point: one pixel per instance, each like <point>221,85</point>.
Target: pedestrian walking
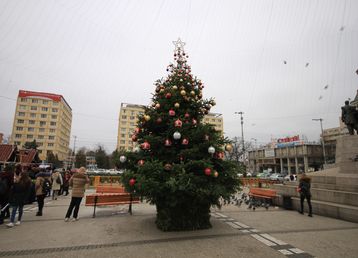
<point>42,186</point>
<point>66,182</point>
<point>6,182</point>
<point>304,188</point>
<point>56,184</point>
<point>78,182</point>
<point>19,195</point>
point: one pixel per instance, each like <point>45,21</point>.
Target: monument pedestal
<point>335,190</point>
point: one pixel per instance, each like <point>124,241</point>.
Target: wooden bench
<point>262,193</point>
<point>110,195</point>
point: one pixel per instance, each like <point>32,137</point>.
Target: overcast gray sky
<point>98,54</point>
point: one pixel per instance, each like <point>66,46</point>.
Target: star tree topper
<point>179,45</point>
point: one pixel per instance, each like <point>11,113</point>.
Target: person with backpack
<point>42,186</point>
<point>78,182</point>
<point>304,188</point>
<point>6,182</point>
<point>19,195</point>
<point>56,184</point>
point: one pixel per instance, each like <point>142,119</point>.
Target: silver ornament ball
<point>176,135</point>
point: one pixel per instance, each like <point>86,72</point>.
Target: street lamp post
<point>323,146</point>
<point>242,129</point>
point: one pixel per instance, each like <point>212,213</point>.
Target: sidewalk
<point>236,232</point>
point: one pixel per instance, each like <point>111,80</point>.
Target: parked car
<point>277,177</point>
<point>263,175</point>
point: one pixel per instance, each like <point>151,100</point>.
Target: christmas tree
<point>178,164</point>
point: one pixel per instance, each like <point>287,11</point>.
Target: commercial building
<point>128,121</point>
<point>288,155</point>
<point>46,118</point>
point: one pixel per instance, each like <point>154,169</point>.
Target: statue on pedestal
<point>350,117</point>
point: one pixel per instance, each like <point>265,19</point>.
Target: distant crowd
<point>24,185</point>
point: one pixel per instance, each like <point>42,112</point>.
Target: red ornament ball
<point>134,138</point>
<point>186,115</point>
<point>132,181</point>
<point>140,162</point>
<point>178,123</point>
<point>207,171</point>
<point>168,95</point>
<point>167,143</point>
<point>171,112</point>
<point>185,141</point>
<point>145,145</point>
<point>159,120</point>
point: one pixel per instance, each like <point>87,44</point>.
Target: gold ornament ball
<point>175,87</point>
<point>146,118</point>
<point>183,92</point>
<point>216,174</point>
<point>192,93</point>
<point>228,147</point>
<point>161,90</point>
<point>157,106</point>
<point>177,105</point>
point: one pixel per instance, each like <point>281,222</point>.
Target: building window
<point>40,136</point>
<point>122,141</point>
<point>123,123</point>
<point>123,135</point>
<point>43,115</point>
<point>44,109</point>
<point>54,103</point>
<point>31,122</point>
<point>21,113</point>
<point>52,130</point>
<point>30,136</point>
<point>17,143</point>
<point>22,107</point>
<point>132,117</point>
<point>23,100</point>
<point>19,128</point>
<point>55,110</point>
<point>124,117</point>
<point>53,123</point>
<point>33,108</point>
<point>45,102</point>
<point>30,129</point>
<point>33,115</point>
<point>41,130</point>
<point>42,123</point>
<point>35,101</point>
<point>40,144</point>
<point>51,137</point>
<point>123,129</point>
<point>54,116</point>
<point>50,144</point>
<point>131,123</point>
<point>20,121</point>
<point>17,135</point>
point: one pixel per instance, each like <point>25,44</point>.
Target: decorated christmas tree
<point>179,163</point>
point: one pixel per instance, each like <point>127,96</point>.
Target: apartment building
<point>46,118</point>
<point>128,121</point>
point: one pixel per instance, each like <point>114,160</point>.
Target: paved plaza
<point>236,232</point>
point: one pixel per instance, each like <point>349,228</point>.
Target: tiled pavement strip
<point>280,246</point>
<point>264,238</point>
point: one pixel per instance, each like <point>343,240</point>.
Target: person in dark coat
<point>18,197</point>
<point>41,179</point>
<point>304,188</point>
<point>7,180</point>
